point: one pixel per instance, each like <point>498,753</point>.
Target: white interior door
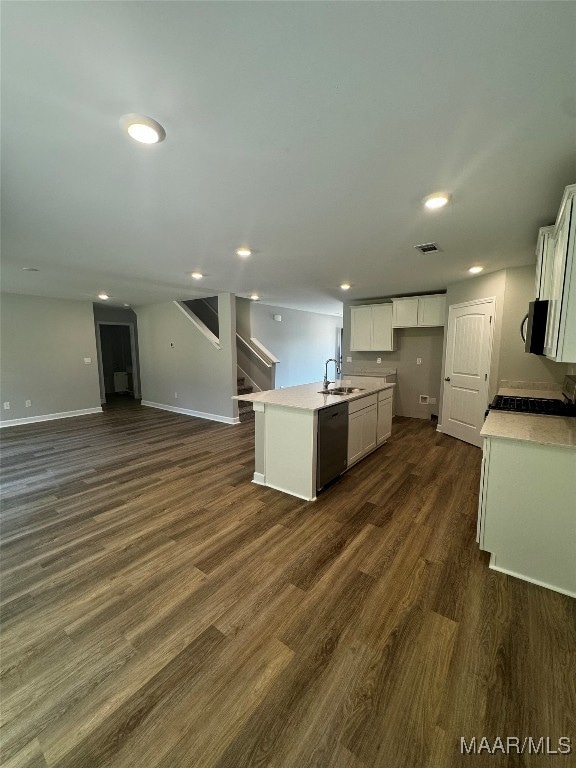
<point>467,369</point>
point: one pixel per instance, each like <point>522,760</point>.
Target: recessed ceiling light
<point>197,275</point>
<point>243,252</point>
<point>254,297</point>
<point>437,200</point>
<point>30,269</point>
<point>345,286</point>
<point>143,129</point>
<point>126,305</point>
<point>103,296</point>
<point>475,270</point>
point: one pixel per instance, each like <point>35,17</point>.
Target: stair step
<point>240,381</point>
<point>245,390</point>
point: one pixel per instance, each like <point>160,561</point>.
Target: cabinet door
<point>382,333</point>
<point>544,259</point>
<point>354,437</point>
<point>384,428</point>
<point>369,424</point>
<point>558,267</point>
<point>431,310</point>
<point>360,329</point>
<point>405,313</point>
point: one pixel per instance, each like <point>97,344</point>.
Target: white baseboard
<point>439,428</point>
<point>554,588</point>
<point>196,414</point>
<point>259,478</point>
<point>49,417</point>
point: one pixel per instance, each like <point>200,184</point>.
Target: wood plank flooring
<point>161,611</point>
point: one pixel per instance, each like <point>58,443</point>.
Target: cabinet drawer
<point>362,402</point>
<point>385,394</point>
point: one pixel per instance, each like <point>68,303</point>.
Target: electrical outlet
<point>87,360</point>
<point>418,361</point>
<point>6,406</point>
<point>378,359</point>
<point>348,359</point>
<point>28,403</point>
<point>432,400</point>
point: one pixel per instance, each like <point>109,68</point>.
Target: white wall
<point>43,346</point>
<point>176,358</point>
<point>302,341</point>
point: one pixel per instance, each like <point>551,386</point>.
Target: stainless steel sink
<point>341,391</point>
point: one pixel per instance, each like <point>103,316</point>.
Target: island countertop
<point>309,397</point>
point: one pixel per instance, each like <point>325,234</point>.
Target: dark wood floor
<point>161,610</point>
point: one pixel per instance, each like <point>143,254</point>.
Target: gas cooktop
<point>536,405</point>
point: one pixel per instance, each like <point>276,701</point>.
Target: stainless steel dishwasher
<point>332,443</point>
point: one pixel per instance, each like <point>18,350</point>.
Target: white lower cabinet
<point>526,511</point>
<point>362,422</point>
<point>384,425</point>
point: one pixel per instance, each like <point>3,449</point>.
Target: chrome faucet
<point>326,383</point>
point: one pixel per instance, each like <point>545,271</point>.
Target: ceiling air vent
<point>428,248</point>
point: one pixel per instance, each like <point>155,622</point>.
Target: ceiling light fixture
<point>254,297</point>
<point>197,275</point>
<point>143,129</point>
<point>103,296</point>
<point>345,286</point>
<point>475,270</point>
<point>243,252</point>
<point>436,200</point>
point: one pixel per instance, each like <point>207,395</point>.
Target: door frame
<point>471,303</point>
<point>135,362</point>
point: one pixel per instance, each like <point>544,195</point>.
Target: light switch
<point>6,406</point>
<point>348,359</point>
<point>378,359</point>
<point>87,360</point>
<point>418,361</point>
<point>28,403</point>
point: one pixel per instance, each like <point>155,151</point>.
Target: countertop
<point>546,430</point>
<point>308,396</point>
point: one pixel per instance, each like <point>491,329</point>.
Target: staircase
<point>245,411</point>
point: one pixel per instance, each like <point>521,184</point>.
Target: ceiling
<point>308,131</point>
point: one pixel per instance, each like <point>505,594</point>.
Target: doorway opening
<point>118,365</point>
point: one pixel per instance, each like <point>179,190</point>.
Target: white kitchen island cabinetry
<point>384,425</point>
<point>362,423</point>
<point>527,512</point>
<point>286,430</point>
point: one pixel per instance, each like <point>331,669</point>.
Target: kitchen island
<point>526,514</point>
<point>286,429</point>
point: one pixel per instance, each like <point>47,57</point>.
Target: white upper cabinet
<point>405,313</point>
<point>431,310</point>
<point>558,283</point>
<point>419,311</point>
<point>544,262</point>
<point>371,328</point>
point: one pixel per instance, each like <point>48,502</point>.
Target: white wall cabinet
<point>419,311</point>
<point>525,515</point>
<point>544,262</point>
<point>371,328</point>
<point>384,425</point>
<point>362,424</point>
<point>557,281</point>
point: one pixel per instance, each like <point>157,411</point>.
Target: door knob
<point>447,378</point>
